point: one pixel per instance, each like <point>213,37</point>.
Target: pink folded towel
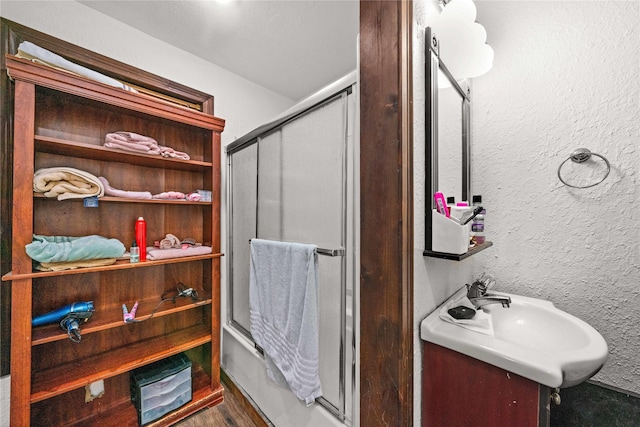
<point>170,152</point>
<point>194,197</point>
<point>155,254</point>
<point>110,191</point>
<point>130,141</point>
<point>170,195</point>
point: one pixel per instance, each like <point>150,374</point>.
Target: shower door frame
<point>338,411</point>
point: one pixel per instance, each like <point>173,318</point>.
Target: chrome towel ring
<point>581,155</point>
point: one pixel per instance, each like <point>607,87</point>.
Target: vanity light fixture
<point>462,40</point>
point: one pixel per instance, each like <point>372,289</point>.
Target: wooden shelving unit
<point>61,120</point>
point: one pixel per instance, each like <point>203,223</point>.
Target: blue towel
<point>283,299</point>
<point>63,248</point>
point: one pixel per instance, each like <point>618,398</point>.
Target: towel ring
<point>581,155</point>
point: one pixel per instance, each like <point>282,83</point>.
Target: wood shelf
<point>41,75</point>
<point>119,265</point>
<point>47,144</point>
<point>101,321</point>
<point>79,373</point>
<point>111,199</point>
<point>454,257</point>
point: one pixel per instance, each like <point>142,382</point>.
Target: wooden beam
<point>386,178</point>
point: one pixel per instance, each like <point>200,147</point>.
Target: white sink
<point>532,338</point>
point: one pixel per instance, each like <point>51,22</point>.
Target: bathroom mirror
<point>448,162</point>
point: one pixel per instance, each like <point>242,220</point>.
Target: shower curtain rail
<point>328,252</point>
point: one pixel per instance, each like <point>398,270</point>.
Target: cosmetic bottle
<point>477,226</point>
<point>141,237</point>
<point>134,253</point>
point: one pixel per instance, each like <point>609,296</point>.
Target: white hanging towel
<point>283,300</point>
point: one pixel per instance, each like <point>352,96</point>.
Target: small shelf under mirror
<point>472,251</point>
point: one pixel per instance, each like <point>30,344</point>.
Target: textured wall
<point>434,279</point>
<point>566,75</point>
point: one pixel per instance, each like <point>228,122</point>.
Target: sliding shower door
<point>243,192</point>
<point>290,185</point>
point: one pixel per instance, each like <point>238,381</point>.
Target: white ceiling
<point>291,47</point>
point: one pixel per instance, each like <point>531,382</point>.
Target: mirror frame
<point>433,64</point>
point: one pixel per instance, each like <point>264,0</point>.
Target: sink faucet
<point>477,294</point>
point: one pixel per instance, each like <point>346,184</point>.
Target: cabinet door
<point>458,390</point>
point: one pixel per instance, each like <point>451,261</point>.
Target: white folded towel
<point>481,322</point>
<point>67,183</point>
<point>34,53</point>
<point>283,300</point>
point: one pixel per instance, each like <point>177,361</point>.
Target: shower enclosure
<point>294,180</point>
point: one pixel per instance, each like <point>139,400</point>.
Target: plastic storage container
<point>448,235</point>
<point>161,387</point>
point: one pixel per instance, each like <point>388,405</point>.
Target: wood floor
<point>229,413</point>
<point>234,411</point>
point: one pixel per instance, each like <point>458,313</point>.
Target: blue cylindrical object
<point>56,315</point>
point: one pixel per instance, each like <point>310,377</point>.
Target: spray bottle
<point>141,237</point>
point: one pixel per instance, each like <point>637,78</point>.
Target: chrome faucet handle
<point>487,280</point>
<point>476,290</point>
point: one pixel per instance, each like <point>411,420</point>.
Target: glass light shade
<point>462,41</point>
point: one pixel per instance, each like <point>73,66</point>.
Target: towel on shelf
<point>283,300</point>
<point>170,241</point>
<point>481,322</point>
<point>170,195</point>
<point>67,249</point>
<point>66,183</point>
<point>110,191</point>
<point>170,152</point>
<point>193,197</point>
<point>35,53</point>
<point>130,141</point>
<point>72,265</point>
<point>154,254</point>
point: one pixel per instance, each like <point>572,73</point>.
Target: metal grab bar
<point>328,252</point>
